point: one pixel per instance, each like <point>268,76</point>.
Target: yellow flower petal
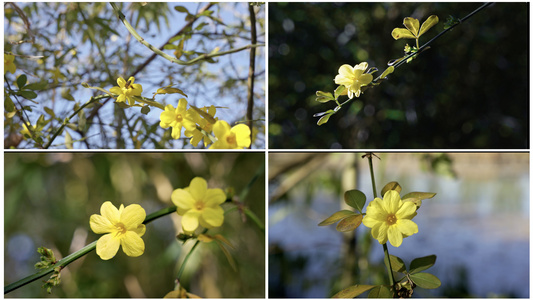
<point>110,212</point>
<point>116,90</point>
<point>221,128</point>
<point>395,236</point>
<point>132,216</point>
<point>213,216</point>
<point>198,188</point>
<point>107,246</point>
<point>182,199</point>
<point>132,244</point>
<point>242,133</point>
<point>121,82</point>
<point>189,221</point>
<point>100,224</point>
<point>215,197</point>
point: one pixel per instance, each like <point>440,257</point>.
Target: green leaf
<point>145,110</point>
<point>65,94</point>
<point>355,199</point>
<point>323,97</point>
<point>417,197</point>
<point>388,71</point>
<point>425,280</point>
<point>336,217</point>
<point>82,120</point>
<point>381,291</point>
<point>393,185</point>
<point>37,86</point>
<point>430,22</point>
<point>170,90</point>
<point>9,106</point>
<point>353,291</point>
<point>27,94</point>
<point>397,264</point>
<point>182,9</point>
<point>422,263</point>
<point>49,111</point>
<point>21,81</point>
<point>68,140</point>
<point>339,90</point>
<point>325,117</point>
<point>350,223</point>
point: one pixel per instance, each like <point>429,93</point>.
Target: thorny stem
<point>385,249</point>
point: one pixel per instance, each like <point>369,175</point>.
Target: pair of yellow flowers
<point>198,206</point>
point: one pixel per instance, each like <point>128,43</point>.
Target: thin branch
<point>251,71</point>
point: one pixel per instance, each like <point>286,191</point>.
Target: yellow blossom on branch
<point>199,206</point>
<point>9,64</point>
<point>126,90</point>
<point>390,218</point>
<point>204,124</point>
<point>353,78</point>
<point>124,227</point>
<point>236,137</point>
<point>177,118</point>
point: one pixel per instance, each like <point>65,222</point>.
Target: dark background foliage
<point>470,90</point>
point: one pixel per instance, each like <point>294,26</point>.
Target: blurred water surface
<point>477,225</point>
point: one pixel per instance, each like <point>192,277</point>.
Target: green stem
<point>74,256</point>
<point>182,267</point>
<point>385,249</point>
<point>168,57</point>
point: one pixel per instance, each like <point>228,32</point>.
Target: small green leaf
<point>27,94</point>
<point>182,9</point>
<point>388,71</point>
<point>355,199</point>
<point>68,140</point>
<point>381,291</point>
<point>350,223</point>
<point>37,86</point>
<point>336,217</point>
<point>49,111</point>
<point>170,90</point>
<point>353,291</point>
<point>9,106</point>
<point>422,263</point>
<point>417,197</point>
<point>397,264</point>
<point>425,280</point>
<point>393,185</point>
<point>145,110</point>
<point>324,97</point>
<point>339,90</point>
<point>324,119</point>
<point>82,120</point>
<point>21,81</point>
<point>65,93</point>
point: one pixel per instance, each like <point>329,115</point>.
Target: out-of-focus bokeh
<point>49,198</point>
<point>470,90</point>
<point>477,224</point>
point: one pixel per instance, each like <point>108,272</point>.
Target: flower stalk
<point>385,249</point>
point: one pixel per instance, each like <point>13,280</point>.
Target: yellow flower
<point>236,137</point>
<point>124,226</point>
<point>126,90</point>
<point>176,118</point>
<point>353,78</point>
<point>199,205</point>
<point>413,30</point>
<point>9,64</point>
<point>204,124</point>
<point>390,218</point>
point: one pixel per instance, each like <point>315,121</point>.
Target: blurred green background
<point>470,90</point>
<point>477,225</point>
<point>49,198</point>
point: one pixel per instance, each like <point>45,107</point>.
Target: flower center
<point>199,205</point>
<point>391,219</point>
<point>231,139</point>
<point>121,229</point>
<point>179,118</point>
